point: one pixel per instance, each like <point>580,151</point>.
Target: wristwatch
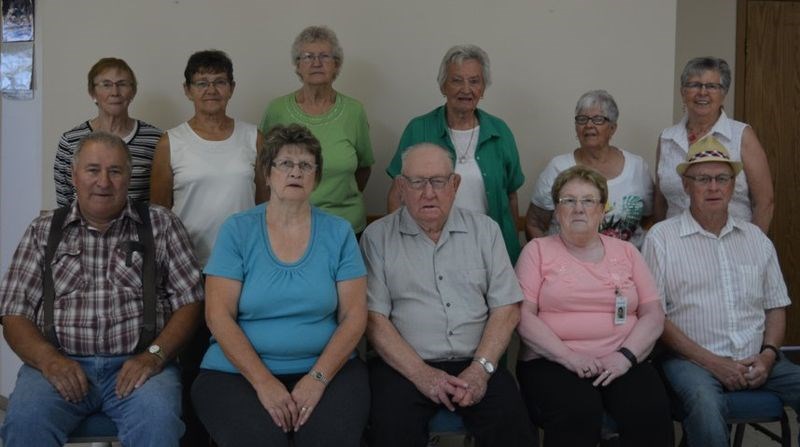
<point>156,351</point>
<point>318,376</point>
<point>487,365</point>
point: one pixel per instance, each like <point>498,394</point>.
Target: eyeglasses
<point>705,180</point>
<point>307,58</point>
<point>588,203</point>
<point>597,120</point>
<point>217,83</point>
<point>709,86</point>
<point>109,85</point>
<point>287,166</point>
<point>419,183</point>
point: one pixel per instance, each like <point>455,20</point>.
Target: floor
<point>752,438</point>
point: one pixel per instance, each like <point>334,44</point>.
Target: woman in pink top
<point>590,318</point>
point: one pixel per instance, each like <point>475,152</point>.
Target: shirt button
<point>451,332</point>
<point>440,277</point>
<point>448,304</point>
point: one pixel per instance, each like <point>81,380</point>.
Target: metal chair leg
<point>739,435</point>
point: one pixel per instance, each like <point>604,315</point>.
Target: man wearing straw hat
<point>724,297</point>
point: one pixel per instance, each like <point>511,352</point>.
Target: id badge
<point>620,309</point>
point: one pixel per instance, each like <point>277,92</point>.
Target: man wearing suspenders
<point>97,301</point>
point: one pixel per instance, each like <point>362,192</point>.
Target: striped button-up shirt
<point>716,288</point>
<point>98,282</point>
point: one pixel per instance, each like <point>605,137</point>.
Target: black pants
<point>229,407</point>
<point>570,409</point>
<point>189,360</point>
<point>400,413</point>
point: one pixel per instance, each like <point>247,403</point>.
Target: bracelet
<point>771,348</point>
<point>628,355</point>
<point>318,376</point>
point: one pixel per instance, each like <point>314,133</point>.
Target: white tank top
<point>211,180</point>
<point>675,146</point>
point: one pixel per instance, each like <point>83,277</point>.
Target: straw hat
<point>706,150</point>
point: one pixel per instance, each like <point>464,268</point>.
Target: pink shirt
<point>577,299</point>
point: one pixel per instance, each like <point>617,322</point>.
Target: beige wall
<point>705,28</point>
<point>545,54</point>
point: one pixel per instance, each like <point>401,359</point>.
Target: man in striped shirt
<point>93,360</point>
<point>724,297</point>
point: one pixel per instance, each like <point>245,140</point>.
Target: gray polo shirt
<point>438,296</point>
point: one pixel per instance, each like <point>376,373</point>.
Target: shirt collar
<point>454,224</point>
<point>74,214</point>
<point>690,226</point>
<point>488,130</point>
<point>721,130</point>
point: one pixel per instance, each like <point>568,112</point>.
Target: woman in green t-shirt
<point>336,120</point>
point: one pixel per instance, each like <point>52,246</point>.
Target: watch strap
<point>156,351</point>
<point>486,364</point>
<point>628,355</point>
<point>772,348</point>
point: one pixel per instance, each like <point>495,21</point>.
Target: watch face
<point>154,349</point>
<point>489,367</point>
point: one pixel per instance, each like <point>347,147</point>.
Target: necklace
<point>462,156</point>
<point>692,136</point>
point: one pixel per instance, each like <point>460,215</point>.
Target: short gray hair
<point>460,53</point>
<point>105,138</point>
<point>598,98</point>
<point>318,34</point>
<point>699,65</point>
<point>417,146</point>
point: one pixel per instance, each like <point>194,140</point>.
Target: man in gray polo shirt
<point>443,303</point>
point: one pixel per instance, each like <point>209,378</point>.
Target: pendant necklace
<point>462,156</point>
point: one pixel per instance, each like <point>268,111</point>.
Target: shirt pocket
<point>750,283</point>
<point>67,271</point>
<point>470,286</point>
<point>125,267</point>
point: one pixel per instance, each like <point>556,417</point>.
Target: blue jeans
<point>705,405</point>
<point>39,416</point>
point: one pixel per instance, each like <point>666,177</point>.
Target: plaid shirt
<point>98,282</point>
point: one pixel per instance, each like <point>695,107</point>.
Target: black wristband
<point>771,348</point>
<point>628,355</point>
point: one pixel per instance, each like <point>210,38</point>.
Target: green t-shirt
<point>343,133</point>
<point>497,159</point>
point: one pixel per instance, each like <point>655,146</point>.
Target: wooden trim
<point>741,60</point>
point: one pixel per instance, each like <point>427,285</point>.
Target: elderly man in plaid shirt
<point>95,365</point>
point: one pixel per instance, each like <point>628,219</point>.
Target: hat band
<point>708,154</point>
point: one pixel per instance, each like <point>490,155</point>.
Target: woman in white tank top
<point>704,83</point>
<point>204,169</point>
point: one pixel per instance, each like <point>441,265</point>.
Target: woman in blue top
<point>286,305</point>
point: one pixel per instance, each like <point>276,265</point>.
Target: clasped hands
<point>747,373</point>
<point>603,369</point>
<point>467,389</point>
